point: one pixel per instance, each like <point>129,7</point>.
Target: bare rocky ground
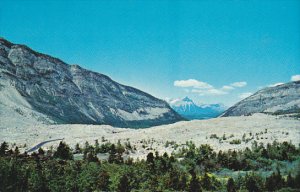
<point>220,133</point>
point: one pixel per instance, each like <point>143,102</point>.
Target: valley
<point>130,96</point>
<point>218,133</point>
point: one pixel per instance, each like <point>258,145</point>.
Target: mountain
<point>281,99</point>
<point>188,109</point>
<point>35,86</point>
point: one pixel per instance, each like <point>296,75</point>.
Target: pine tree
<point>91,157</point>
<point>103,181</point>
<point>77,148</point>
<point>63,152</point>
<point>3,148</point>
<point>41,151</point>
<point>253,183</point>
<point>37,178</point>
<point>16,151</point>
<point>182,185</point>
<point>275,181</point>
<point>124,184</point>
<point>150,160</point>
<point>290,182</point>
<point>97,146</point>
<point>231,185</point>
<point>112,154</point>
<point>209,182</point>
<point>194,183</point>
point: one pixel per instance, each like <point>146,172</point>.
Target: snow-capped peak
<point>187,108</point>
<point>187,99</point>
<point>181,102</point>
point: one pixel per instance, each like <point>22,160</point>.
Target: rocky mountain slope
<point>190,110</point>
<point>281,99</point>
<point>44,88</point>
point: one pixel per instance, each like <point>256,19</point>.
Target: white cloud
<point>192,83</point>
<point>275,84</point>
<point>239,84</point>
<point>227,88</point>
<point>245,95</point>
<point>205,89</point>
<point>209,92</point>
<point>295,78</point>
<point>173,101</point>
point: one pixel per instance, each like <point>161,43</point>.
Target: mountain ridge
<point>71,94</point>
<point>281,99</point>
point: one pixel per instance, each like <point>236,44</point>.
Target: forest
<point>274,167</point>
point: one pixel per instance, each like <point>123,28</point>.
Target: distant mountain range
<point>281,99</point>
<point>190,110</point>
<point>35,86</point>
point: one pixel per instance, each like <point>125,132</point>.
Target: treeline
<point>258,157</point>
<point>190,169</point>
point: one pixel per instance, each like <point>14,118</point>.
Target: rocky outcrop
<point>70,94</point>
<point>281,99</point>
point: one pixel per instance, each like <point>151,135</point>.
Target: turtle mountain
<point>281,99</point>
<point>35,87</point>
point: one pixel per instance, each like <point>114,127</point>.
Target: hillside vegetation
<point>274,167</point>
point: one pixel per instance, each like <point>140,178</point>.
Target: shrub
<point>235,142</point>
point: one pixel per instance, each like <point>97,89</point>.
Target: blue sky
<point>211,51</point>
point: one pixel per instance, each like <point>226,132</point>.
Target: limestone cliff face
<point>282,99</point>
<point>70,94</point>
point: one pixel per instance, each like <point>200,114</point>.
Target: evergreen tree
<point>297,177</point>
<point>112,154</point>
<point>77,149</point>
<point>91,157</point>
<point>172,180</point>
<point>97,146</point>
<point>119,153</point>
<point>124,185</point>
<point>222,159</point>
<point>41,151</point>
<point>182,185</point>
<point>86,150</point>
<point>150,160</point>
<point>16,151</point>
<point>103,181</point>
<point>275,181</point>
<point>290,182</point>
<point>233,162</point>
<point>37,179</point>
<point>254,183</point>
<point>231,185</point>
<point>63,151</point>
<point>194,183</point>
<point>3,148</point>
<point>209,182</point>
<point>264,153</point>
